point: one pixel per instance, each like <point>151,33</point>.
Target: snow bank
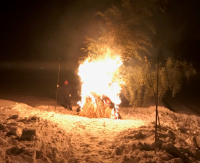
<point>54,134</point>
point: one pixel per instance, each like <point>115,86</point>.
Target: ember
<point>100,87</point>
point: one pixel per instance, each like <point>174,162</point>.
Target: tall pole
<point>151,82</point>
<point>156,104</point>
<point>58,83</point>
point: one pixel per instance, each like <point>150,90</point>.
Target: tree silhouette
<point>128,31</point>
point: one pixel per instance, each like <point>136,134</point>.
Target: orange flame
<point>100,76</point>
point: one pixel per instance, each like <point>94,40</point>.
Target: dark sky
<point>46,30</point>
<point>40,30</point>
<point>178,31</point>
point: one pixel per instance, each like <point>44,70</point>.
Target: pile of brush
<point>101,108</point>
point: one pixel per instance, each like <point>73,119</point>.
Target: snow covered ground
<point>38,130</point>
<point>46,133</point>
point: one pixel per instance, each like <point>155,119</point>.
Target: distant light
<point>41,67</point>
<point>58,58</point>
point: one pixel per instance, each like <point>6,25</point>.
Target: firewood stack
<point>98,109</point>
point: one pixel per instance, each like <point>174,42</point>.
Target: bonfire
<point>100,87</point>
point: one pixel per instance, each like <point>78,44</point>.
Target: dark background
<point>38,36</point>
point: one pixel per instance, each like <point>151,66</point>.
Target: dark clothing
<point>66,91</point>
<point>67,102</point>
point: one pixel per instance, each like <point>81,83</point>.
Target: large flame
<point>100,77</point>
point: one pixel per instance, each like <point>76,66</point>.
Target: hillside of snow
<point>49,134</point>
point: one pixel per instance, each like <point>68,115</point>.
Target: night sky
<point>54,30</point>
<point>47,30</point>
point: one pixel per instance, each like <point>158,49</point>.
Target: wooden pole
<point>156,104</point>
<point>154,94</point>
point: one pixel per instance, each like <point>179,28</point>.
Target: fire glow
<point>100,77</point>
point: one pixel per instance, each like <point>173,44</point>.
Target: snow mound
<point>55,135</point>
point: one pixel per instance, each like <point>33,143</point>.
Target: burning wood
<point>100,87</point>
<point>103,108</point>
